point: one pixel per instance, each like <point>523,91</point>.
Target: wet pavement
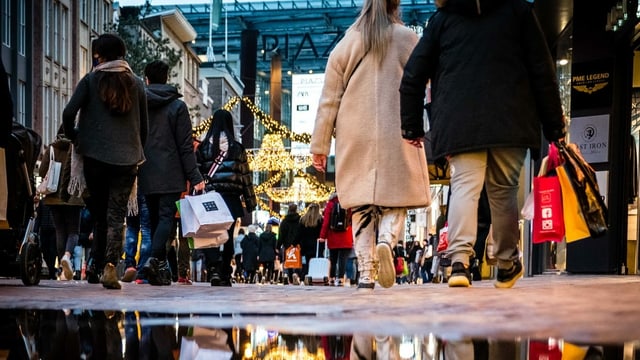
<point>578,309</point>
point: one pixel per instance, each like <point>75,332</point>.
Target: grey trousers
<point>498,170</point>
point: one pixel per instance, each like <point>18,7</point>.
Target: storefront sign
<point>591,135</point>
<point>591,85</point>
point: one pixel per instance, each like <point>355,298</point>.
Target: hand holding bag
<point>204,215</point>
<point>548,222</point>
<point>585,185</point>
<point>49,184</point>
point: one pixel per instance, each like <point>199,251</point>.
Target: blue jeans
<point>138,224</point>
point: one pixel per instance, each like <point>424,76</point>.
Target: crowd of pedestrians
<point>121,136</point>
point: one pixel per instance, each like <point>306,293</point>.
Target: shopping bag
<point>214,239</point>
<point>204,214</point>
<point>443,239</point>
<point>574,224</point>
<point>585,185</point>
<point>548,223</point>
<point>292,259</point>
<point>49,184</point>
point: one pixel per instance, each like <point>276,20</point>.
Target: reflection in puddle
<point>87,334</point>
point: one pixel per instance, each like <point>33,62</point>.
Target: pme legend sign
<point>591,85</point>
<point>591,135</point>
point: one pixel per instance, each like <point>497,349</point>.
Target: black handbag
<point>583,180</point>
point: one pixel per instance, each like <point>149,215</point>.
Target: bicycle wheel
<point>30,263</point>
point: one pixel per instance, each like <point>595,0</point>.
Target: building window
<point>6,23</point>
<point>107,10</point>
<point>46,37</point>
<point>22,27</point>
<point>64,37</point>
<point>95,16</point>
<point>46,115</point>
<point>83,10</point>
<point>84,60</point>
<point>21,106</point>
<point>56,31</point>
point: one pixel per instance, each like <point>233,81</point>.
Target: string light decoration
<point>273,126</point>
<point>300,191</point>
<point>271,156</point>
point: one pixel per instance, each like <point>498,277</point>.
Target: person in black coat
<point>494,92</point>
<point>267,251</point>
<point>250,247</point>
<point>232,179</point>
<point>287,236</point>
<point>170,163</point>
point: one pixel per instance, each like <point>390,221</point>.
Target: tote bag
<point>292,259</point>
<point>203,215</point>
<point>548,222</point>
<point>49,184</point>
<point>574,224</point>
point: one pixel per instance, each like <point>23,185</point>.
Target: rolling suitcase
<point>319,268</point>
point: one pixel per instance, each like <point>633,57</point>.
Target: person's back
<point>170,164</point>
<point>492,75</point>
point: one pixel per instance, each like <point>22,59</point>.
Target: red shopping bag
<point>548,222</point>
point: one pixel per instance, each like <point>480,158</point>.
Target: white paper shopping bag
<point>204,214</point>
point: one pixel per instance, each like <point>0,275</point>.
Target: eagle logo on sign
<point>590,89</point>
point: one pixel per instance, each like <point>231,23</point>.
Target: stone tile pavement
<point>578,308</point>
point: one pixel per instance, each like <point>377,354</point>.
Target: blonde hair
<point>312,217</point>
<point>374,22</point>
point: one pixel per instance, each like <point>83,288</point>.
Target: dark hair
<point>222,122</point>
<point>114,88</point>
<point>109,46</point>
<point>157,72</point>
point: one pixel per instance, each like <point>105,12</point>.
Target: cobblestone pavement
<point>579,308</point>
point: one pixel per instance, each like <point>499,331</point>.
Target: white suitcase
<point>319,268</point>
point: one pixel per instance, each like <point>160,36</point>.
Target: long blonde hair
<point>312,217</point>
<point>374,22</point>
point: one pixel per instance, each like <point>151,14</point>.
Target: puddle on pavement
<point>87,334</point>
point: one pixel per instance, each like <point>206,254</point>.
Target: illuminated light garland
<point>300,191</point>
<point>273,126</point>
<point>275,158</point>
<point>271,156</point>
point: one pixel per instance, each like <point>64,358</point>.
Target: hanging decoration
<point>271,156</point>
<point>302,190</point>
<point>274,158</point>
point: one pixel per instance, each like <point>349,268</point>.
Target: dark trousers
<point>109,187</point>
<point>67,221</point>
<point>338,261</point>
<point>162,212</point>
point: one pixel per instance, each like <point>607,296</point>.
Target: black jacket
<point>250,246</point>
<point>288,230</point>
<point>493,82</point>
<point>233,177</point>
<point>267,248</point>
<point>169,148</point>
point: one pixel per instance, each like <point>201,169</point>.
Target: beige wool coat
<point>374,165</point>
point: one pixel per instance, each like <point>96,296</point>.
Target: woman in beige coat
<point>378,175</point>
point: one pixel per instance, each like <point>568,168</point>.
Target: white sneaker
<point>67,268</point>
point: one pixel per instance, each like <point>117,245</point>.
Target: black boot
<point>213,276</point>
<point>157,272</point>
<point>93,272</point>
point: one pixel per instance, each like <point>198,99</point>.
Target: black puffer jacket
<point>493,82</point>
<point>169,148</point>
<point>233,177</point>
